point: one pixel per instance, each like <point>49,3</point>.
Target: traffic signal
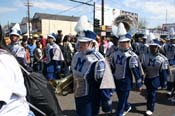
<point>96,23</point>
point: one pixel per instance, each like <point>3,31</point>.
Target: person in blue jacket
<point>88,67</point>
<point>155,66</point>
<point>125,64</point>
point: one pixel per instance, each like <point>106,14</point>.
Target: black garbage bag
<point>41,94</point>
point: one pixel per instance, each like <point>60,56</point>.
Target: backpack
<point>41,94</point>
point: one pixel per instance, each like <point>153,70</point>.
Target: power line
<point>81,11</point>
<point>72,8</point>
<point>83,2</point>
<point>86,3</point>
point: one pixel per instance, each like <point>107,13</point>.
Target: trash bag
<point>41,94</point>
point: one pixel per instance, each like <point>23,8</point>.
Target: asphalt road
<point>163,106</point>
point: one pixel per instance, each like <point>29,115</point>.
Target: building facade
<point>168,26</point>
<point>44,24</point>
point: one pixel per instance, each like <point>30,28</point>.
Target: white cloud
<point>154,11</point>
<point>49,5</point>
<point>4,10</point>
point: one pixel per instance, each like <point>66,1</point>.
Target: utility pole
<point>94,15</point>
<point>102,12</point>
<point>89,5</point>
<point>28,4</point>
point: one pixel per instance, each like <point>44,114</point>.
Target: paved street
<point>163,106</point>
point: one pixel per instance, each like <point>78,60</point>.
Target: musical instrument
<point>64,85</point>
<point>130,22</point>
<point>171,77</point>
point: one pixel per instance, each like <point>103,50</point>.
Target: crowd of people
<point>150,60</point>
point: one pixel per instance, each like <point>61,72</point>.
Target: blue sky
<point>152,11</point>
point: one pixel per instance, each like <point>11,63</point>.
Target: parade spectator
<point>68,52</point>
<point>103,46</point>
<point>54,58</point>
<point>24,44</point>
<point>155,66</point>
<point>32,47</point>
<point>7,41</point>
<point>125,63</point>
<point>113,47</point>
<point>98,39</point>
<point>73,42</point>
<point>59,37</point>
<point>38,58</point>
<point>43,41</point>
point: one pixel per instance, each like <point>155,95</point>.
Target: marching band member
<point>169,51</point>
<point>125,64</point>
<point>54,58</point>
<point>155,66</point>
<point>143,46</point>
<point>16,49</point>
<point>88,67</point>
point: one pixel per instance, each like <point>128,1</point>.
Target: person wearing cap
<point>155,66</point>
<point>54,58</point>
<point>125,64</point>
<point>88,67</point>
<point>15,48</point>
<point>169,51</point>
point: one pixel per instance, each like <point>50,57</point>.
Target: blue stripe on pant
<point>122,102</point>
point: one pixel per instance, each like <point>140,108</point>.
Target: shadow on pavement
<point>133,110</point>
<point>162,97</point>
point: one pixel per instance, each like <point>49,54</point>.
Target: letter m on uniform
<point>119,59</point>
<point>151,62</point>
<point>79,64</point>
